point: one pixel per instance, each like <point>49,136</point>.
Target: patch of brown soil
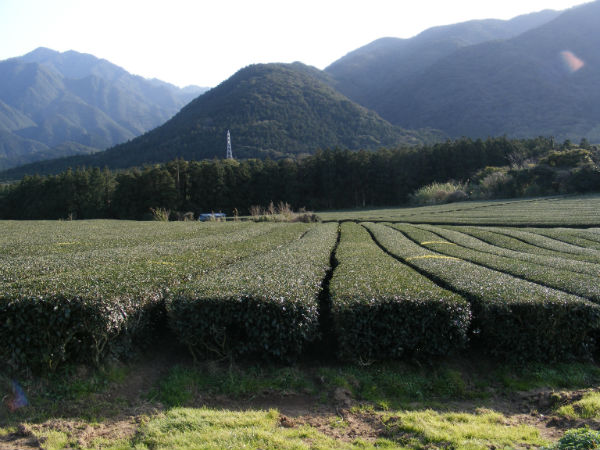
<point>85,434</point>
<point>345,426</point>
<point>23,438</point>
<point>30,436</point>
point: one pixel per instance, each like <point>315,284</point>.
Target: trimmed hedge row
<point>115,303</point>
<point>491,236</point>
<point>459,236</point>
<point>511,317</point>
<point>43,329</point>
<point>576,237</point>
<point>51,254</point>
<point>263,306</point>
<point>545,243</point>
<point>382,308</point>
<point>580,284</point>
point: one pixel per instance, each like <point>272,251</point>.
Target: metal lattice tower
<point>229,152</point>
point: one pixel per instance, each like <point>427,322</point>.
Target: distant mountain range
<point>54,104</point>
<point>368,74</point>
<point>274,110</point>
<point>533,75</point>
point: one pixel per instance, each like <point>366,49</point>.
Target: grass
<point>208,428</point>
<point>447,403</point>
<point>181,384</point>
<point>571,375</point>
<point>186,428</point>
<point>480,430</point>
<point>586,408</point>
<point>386,385</point>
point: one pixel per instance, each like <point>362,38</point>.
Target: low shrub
<point>283,212</point>
<point>436,193</point>
<point>577,439</point>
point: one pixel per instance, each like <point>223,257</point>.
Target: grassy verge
<point>470,403</point>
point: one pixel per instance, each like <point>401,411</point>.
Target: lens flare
<point>17,398</point>
<point>571,62</point>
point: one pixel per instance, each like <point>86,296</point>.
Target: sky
<point>202,42</point>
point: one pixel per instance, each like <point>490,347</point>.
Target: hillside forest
<point>329,179</point>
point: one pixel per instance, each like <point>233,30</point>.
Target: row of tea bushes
<point>511,317</point>
<point>115,300</point>
<point>512,243</point>
<point>580,284</point>
<point>465,240</point>
<point>546,243</point>
<point>383,309</point>
<point>581,238</point>
<point>266,306</point>
<point>56,256</point>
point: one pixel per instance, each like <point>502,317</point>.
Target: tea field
<point>511,282</point>
<point>574,211</point>
<point>77,292</point>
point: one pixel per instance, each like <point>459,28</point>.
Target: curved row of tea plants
<point>564,211</point>
<point>546,243</point>
<point>576,283</point>
<point>382,308</point>
<point>67,249</point>
<point>494,237</point>
<point>460,237</point>
<point>582,238</point>
<point>511,317</point>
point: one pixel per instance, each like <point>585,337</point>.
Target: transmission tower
<point>229,153</point>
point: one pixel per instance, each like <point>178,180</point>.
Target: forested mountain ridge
<point>274,110</point>
<point>534,75</point>
<point>369,73</point>
<point>329,179</point>
<point>53,104</point>
<point>542,81</point>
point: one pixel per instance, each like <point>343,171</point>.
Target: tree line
<point>328,179</point>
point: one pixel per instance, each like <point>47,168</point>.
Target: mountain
<point>539,78</point>
<point>274,110</point>
<point>542,82</point>
<point>53,104</point>
<point>368,74</point>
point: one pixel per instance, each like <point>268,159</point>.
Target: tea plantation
<point>412,283</point>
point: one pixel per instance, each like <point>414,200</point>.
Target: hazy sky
<point>204,42</point>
